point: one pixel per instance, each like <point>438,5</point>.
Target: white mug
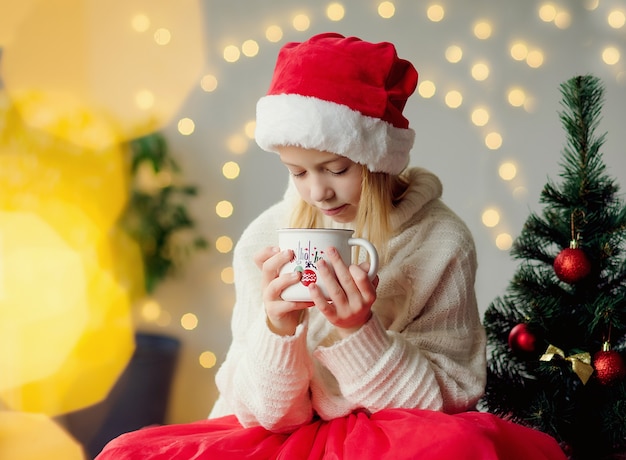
<point>308,246</point>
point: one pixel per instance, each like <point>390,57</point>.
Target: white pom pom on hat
<point>340,95</point>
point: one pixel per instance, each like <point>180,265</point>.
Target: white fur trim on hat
<point>308,122</point>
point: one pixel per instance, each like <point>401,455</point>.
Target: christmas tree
<point>557,337</point>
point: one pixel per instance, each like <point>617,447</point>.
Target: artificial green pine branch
<point>575,316</point>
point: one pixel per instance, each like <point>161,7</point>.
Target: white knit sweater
<point>424,346</point>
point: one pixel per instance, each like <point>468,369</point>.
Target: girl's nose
<point>320,190</point>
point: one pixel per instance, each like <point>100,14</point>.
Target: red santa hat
<point>340,95</point>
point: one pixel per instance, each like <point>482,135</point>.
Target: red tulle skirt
<point>389,434</point>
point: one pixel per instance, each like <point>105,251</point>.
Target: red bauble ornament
<point>521,339</point>
<point>609,366</point>
<point>572,265</point>
<point>308,277</point>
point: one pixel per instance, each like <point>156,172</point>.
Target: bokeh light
<point>230,170</point>
<point>435,13</point>
<point>189,321</point>
<point>386,10</point>
<point>610,55</point>
<point>224,244</point>
<point>335,11</point>
<point>480,116</point>
<point>493,140</point>
<point>207,359</point>
<point>507,171</point>
<point>231,53</point>
<point>301,22</point>
<point>482,30</point>
<point>208,83</point>
<point>504,241</point>
<point>88,95</point>
<point>454,54</point>
<point>426,89</point>
<point>274,34</point>
<point>490,217</point>
<point>454,99</point>
<point>250,48</point>
<point>480,71</point>
<point>227,275</point>
<point>224,209</point>
<point>27,436</point>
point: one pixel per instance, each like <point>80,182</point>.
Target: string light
<point>610,55</point>
<point>208,83</point>
<point>227,275</point>
<point>335,12</point>
<point>230,170</point>
<point>224,244</point>
<point>250,48</point>
<point>386,10</point>
<point>207,359</point>
<point>482,30</point>
<point>426,89</point>
<point>490,217</point>
<point>507,171</point>
<point>301,22</point>
<point>493,141</point>
<point>140,23</point>
<point>504,241</point>
<point>454,99</point>
<point>237,144</point>
<point>162,36</point>
<point>186,126</point>
<point>249,128</point>
<point>224,209</point>
<point>616,19</point>
<point>231,53</point>
<point>519,51</point>
<point>480,116</point>
<point>274,34</point>
<point>454,54</point>
<point>189,321</point>
<point>516,97</point>
<point>435,13</point>
<point>480,71</point>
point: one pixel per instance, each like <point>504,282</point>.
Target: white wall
<point>447,141</point>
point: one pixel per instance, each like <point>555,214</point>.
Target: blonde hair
<point>380,192</point>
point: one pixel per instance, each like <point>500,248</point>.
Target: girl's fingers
<point>270,268</point>
<point>264,254</point>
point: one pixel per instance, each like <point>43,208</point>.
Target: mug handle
<point>371,250</point>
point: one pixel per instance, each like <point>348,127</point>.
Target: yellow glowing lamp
<point>33,437</point>
<point>96,362</point>
<point>36,164</point>
<point>69,332</point>
<point>97,73</point>
<point>90,341</point>
<point>13,13</point>
<point>42,299</point>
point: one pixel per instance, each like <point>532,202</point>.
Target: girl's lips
<point>333,211</point>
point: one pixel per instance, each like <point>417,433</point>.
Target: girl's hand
<point>350,290</point>
<point>282,316</point>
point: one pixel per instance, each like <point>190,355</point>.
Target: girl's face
<point>328,182</point>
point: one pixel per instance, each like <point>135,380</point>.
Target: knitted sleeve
<point>264,379</point>
<point>425,345</point>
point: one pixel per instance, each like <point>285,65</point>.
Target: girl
<point>389,368</point>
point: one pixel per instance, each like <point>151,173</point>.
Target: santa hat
<point>340,95</point>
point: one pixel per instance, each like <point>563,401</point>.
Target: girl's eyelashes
<point>338,173</point>
<point>330,171</point>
